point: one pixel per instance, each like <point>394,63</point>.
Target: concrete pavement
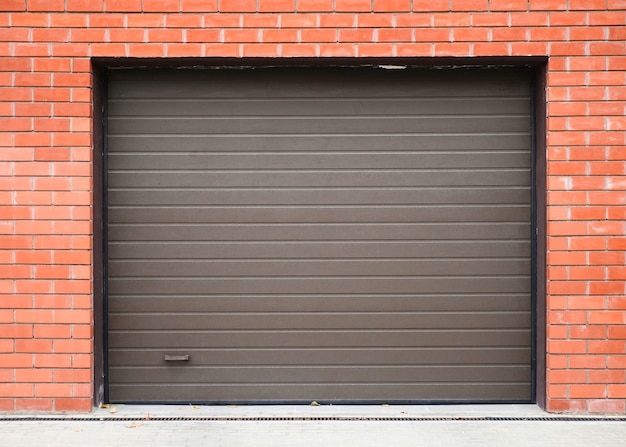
<point>294,426</point>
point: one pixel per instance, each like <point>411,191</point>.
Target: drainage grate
<point>314,419</point>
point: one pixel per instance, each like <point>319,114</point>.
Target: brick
<point>345,20</point>
<point>617,302</point>
<point>33,346</point>
<point>276,5</point>
<point>607,18</point>
<point>607,347</point>
<point>607,48</point>
<point>587,391</point>
<point>510,34</point>
<point>237,6</point>
<point>52,331</point>
<point>607,376</point>
<point>508,5</point>
<point>206,35</point>
<point>529,19</point>
<point>452,49</point>
<point>16,390</point>
<point>568,317</point>
<point>567,376</point>
<point>353,5</point>
<point>165,35</point>
<point>608,317</point>
<point>617,361</point>
<point>430,5</point>
<point>568,405</point>
<point>52,360</point>
<point>392,5</point>
<point>123,5</point>
<point>412,20</point>
<point>606,288</point>
<point>586,332</point>
<point>432,35</point>
<point>314,5</point>
<point>299,50</point>
<point>83,5</point>
<point>72,346</point>
<point>241,36</point>
<point>396,35</point>
<point>72,376</point>
<point>51,95</point>
<point>452,20</point>
<point>63,20</point>
<point>32,256</point>
<point>161,5</point>
<point>13,35</point>
<point>566,346</point>
<point>260,21</point>
<point>16,330</point>
<point>40,316</point>
<point>337,50</point>
<point>588,213</point>
<point>298,20</point>
<point>13,5</point>
<point>73,316</point>
<point>607,406</point>
<point>488,49</point>
<point>355,35</point>
<point>557,391</point>
<point>73,404</point>
<point>261,50</point>
<point>109,20</point>
<point>587,361</point>
<point>198,5</point>
<point>82,360</point>
<point>375,50</point>
<point>145,20</point>
<point>319,35</point>
<point>271,36</point>
<point>188,21</point>
<point>470,35</point>
<point>548,5</point>
<point>469,5</point>
<point>33,375</point>
<point>73,286</point>
<point>413,49</point>
<point>53,390</point>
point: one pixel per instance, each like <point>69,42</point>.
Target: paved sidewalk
<point>295,426</point>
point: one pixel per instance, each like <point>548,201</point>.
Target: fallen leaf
<point>77,430</point>
<point>315,404</point>
<point>105,405</point>
<point>195,408</point>
<point>113,410</point>
<point>233,406</point>
<point>135,425</point>
<point>147,418</point>
<point>385,405</point>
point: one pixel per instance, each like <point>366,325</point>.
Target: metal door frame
<point>538,184</point>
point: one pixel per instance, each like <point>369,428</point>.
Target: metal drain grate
<point>314,419</point>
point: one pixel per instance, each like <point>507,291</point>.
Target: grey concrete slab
<point>305,426</point>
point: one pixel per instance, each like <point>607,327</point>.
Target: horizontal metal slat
<point>316,339</point>
<point>306,393</point>
<point>319,357</point>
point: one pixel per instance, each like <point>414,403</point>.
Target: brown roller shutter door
<point>338,235</point>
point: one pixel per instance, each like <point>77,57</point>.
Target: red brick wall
<point>46,309</point>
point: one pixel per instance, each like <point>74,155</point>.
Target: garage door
<point>338,235</point>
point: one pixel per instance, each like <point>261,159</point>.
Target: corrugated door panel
<point>322,234</point>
